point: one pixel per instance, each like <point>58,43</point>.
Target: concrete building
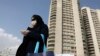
<point>65,34</point>
<point>91,20</point>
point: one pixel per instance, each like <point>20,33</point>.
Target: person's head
<point>36,21</point>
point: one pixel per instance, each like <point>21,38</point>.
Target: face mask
<point>33,23</point>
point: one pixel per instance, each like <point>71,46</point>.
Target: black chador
<point>36,40</point>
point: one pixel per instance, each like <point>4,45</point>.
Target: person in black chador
<point>35,37</point>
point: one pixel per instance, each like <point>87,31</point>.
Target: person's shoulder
<point>45,25</point>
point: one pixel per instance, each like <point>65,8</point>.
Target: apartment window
<point>51,45</point>
<point>51,41</point>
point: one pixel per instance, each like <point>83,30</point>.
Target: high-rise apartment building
<point>91,22</point>
<point>65,34</point>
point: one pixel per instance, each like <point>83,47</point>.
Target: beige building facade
<point>65,34</point>
<point>91,19</point>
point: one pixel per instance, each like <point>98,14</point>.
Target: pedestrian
<point>35,38</point>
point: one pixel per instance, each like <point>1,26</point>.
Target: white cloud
<point>8,40</point>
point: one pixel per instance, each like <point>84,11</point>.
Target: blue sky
<point>16,14</point>
<point>95,4</point>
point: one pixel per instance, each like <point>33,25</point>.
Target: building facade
<point>65,34</point>
<point>91,19</point>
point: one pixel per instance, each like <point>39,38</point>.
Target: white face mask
<point>33,23</point>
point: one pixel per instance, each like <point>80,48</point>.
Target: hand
<point>24,32</point>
